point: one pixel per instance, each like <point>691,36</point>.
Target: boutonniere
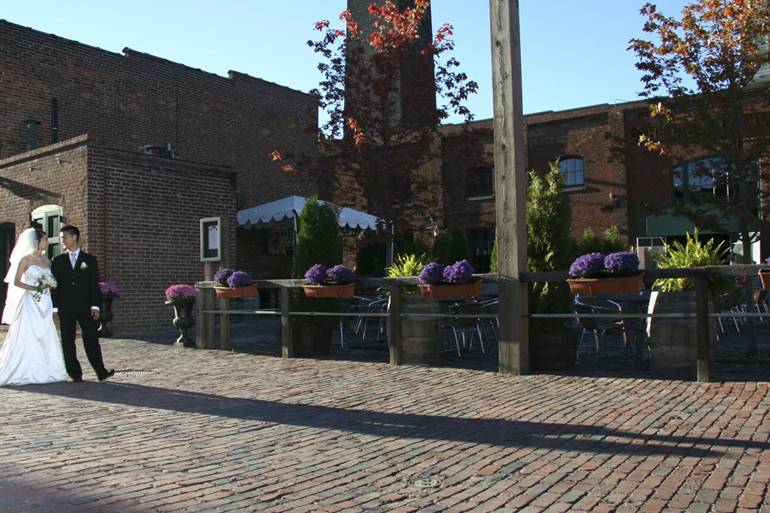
<point>83,266</point>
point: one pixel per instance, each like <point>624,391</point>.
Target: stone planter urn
<point>105,314</point>
<point>183,319</point>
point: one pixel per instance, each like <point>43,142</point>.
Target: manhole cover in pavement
<point>430,482</point>
<point>134,372</point>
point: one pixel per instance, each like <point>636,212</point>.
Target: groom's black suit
<point>76,292</point>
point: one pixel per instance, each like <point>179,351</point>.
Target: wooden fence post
<point>287,341</point>
<point>704,336</point>
<point>200,306</point>
<point>394,326</point>
<point>510,187</point>
<point>224,324</point>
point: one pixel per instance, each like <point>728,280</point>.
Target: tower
<point>414,83</point>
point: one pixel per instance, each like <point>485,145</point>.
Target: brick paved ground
<point>191,430</point>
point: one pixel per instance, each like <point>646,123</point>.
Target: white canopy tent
<point>291,206</point>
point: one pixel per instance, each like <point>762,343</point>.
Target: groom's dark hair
<point>72,230</point>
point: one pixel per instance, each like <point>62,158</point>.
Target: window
<point>49,217</point>
<point>572,171</point>
<point>479,182</point>
<point>707,175</point>
<point>480,243</point>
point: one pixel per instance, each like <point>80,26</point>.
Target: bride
<point>31,352</point>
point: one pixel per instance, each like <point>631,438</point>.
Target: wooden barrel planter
<point>420,336</point>
<point>311,341</point>
<point>674,342</point>
<point>553,351</point>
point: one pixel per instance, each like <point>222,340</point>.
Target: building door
<point>7,237</point>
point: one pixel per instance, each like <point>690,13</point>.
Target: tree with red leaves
<point>704,75</point>
<point>382,72</point>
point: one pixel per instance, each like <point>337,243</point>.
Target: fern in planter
<point>694,253</point>
<point>406,266</point>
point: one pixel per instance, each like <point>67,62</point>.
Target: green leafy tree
<point>548,232</point>
<point>319,240</point>
<point>449,247</point>
<point>319,243</point>
<point>701,73</point>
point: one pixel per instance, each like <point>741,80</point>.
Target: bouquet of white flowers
<point>43,284</point>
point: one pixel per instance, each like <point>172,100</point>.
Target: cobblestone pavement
<point>184,430</point>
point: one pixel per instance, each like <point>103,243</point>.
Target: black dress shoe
<point>77,380</point>
<point>109,374</point>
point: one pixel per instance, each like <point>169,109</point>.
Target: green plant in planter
<point>449,247</point>
<point>548,232</point>
<point>319,242</point>
<point>407,266</point>
<point>694,253</point>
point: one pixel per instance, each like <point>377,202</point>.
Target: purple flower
<point>222,275</point>
<point>459,272</point>
<point>622,262</point>
<point>587,266</point>
<point>431,274</point>
<point>239,279</point>
<point>767,260</point>
<point>180,291</point>
<point>108,287</point>
<point>341,275</point>
<point>316,274</point>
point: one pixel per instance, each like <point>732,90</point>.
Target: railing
<point>206,308</point>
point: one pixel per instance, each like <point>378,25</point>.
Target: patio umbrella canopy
<point>291,206</point>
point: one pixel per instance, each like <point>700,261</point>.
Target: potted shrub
<point>339,281</point>
<point>319,242</point>
<point>673,342</point>
<point>456,280</point>
<point>234,283</point>
<point>616,273</point>
<point>182,297</point>
<point>108,291</point>
<point>420,336</point>
<point>764,275</point>
<point>552,344</point>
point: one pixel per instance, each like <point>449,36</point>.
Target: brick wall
<point>125,101</point>
<point>143,213</point>
<point>52,175</point>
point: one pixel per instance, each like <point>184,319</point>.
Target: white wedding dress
<point>32,352</point>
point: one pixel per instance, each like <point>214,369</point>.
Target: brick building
<point>134,150</point>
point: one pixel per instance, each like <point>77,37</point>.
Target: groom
<point>76,298</point>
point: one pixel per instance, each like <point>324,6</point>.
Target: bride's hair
<point>39,233</point>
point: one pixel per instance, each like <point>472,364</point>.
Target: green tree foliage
<point>319,237</point>
<point>449,247</point>
<point>319,242</point>
<point>693,253</point>
<point>548,233</point>
<point>609,241</point>
<point>370,259</point>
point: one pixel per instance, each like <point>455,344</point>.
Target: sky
<point>573,52</point>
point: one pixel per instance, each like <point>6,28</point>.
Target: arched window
<point>49,217</point>
<point>572,170</point>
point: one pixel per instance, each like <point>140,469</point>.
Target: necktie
<point>72,260</point>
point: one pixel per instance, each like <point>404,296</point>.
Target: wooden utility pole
<point>510,186</point>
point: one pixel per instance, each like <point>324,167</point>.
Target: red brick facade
<point>139,214</point>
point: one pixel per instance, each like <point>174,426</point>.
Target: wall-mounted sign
<point>211,239</point>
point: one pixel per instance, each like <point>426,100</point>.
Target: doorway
<point>7,237</point>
